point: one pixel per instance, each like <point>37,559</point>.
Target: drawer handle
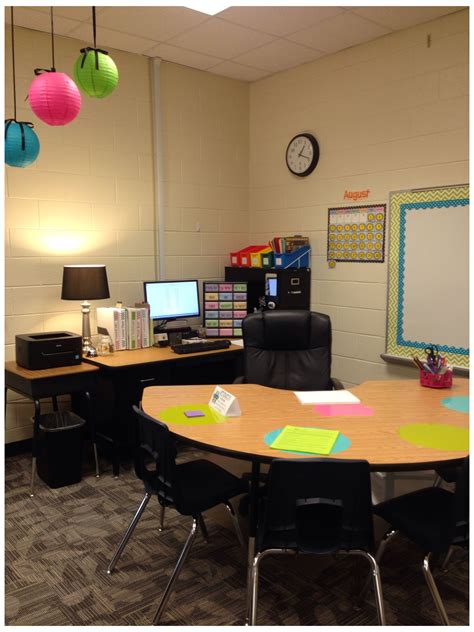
<point>150,379</point>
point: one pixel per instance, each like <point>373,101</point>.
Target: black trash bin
<point>59,448</point>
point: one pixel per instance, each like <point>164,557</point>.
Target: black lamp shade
<point>84,283</point>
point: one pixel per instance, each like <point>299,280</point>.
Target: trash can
<point>59,448</point>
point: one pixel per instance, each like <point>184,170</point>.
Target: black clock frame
<point>312,165</point>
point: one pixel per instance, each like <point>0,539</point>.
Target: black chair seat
<point>423,516</point>
<point>206,485</point>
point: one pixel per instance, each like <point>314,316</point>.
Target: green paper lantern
<point>95,73</point>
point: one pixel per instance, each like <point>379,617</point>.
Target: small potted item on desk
<point>434,372</point>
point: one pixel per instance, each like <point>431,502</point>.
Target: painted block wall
<point>87,199</point>
<point>391,114</point>
<point>205,121</point>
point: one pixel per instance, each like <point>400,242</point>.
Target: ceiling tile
<point>73,13</point>
<point>278,20</point>
<point>278,55</point>
<point>39,21</point>
<point>183,56</point>
<point>221,39</point>
<point>340,32</point>
<point>403,17</point>
<point>107,38</point>
<point>237,71</point>
<point>155,23</point>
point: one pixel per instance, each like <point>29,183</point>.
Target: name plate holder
<point>224,403</point>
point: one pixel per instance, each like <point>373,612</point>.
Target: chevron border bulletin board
<point>428,281</point>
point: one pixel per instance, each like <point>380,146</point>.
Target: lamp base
<point>89,352</point>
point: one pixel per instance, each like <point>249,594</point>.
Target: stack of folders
<point>129,327</point>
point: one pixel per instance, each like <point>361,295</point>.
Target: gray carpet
<point>59,543</point>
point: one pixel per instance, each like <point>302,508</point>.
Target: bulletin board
<point>225,305</point>
<point>428,278</point>
<point>356,234</point>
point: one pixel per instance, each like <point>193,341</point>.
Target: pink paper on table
<point>344,410</point>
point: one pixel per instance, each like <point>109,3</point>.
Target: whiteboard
<point>428,283</point>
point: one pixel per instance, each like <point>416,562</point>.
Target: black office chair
<point>434,518</point>
<point>191,488</point>
<point>288,349</point>
<point>317,506</point>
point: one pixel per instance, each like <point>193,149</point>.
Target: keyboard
<point>196,347</point>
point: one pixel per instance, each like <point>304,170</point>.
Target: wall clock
<point>302,154</point>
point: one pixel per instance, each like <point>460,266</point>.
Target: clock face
<point>302,154</point>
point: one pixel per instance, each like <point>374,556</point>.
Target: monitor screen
<point>169,300</point>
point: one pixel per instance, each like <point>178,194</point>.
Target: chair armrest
<point>240,380</point>
<point>337,385</point>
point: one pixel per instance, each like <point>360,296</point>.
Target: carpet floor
<point>59,543</point>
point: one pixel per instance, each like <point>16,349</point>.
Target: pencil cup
<point>434,380</point>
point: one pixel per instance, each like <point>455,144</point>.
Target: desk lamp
<point>81,283</point>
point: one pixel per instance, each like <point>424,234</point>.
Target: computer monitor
<point>170,300</point>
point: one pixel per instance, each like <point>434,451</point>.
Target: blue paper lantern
<point>21,143</point>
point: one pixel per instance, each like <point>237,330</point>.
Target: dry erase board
<point>428,281</point>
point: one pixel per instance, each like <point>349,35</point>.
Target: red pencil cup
<point>434,380</point>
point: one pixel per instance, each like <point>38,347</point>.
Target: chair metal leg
<point>202,526</point>
<point>96,458</point>
<point>378,558</point>
<point>254,589</point>
<point>375,573</point>
<point>162,518</point>
<point>235,520</point>
<point>444,566</point>
<point>128,533</point>
<point>434,590</point>
<point>437,482</point>
<point>33,473</point>
<point>177,570</point>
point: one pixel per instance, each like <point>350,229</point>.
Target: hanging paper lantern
<point>95,73</point>
<point>54,98</point>
<point>21,143</point>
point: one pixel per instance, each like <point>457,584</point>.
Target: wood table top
<point>149,355</point>
<point>42,374</point>
<point>374,438</point>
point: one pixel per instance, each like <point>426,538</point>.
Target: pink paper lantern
<point>54,98</point>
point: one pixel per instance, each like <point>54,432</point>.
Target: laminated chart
<point>225,305</point>
<point>356,234</point>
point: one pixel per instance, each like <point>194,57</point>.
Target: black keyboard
<point>196,347</point>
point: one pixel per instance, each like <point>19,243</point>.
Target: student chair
<point>191,488</point>
<point>434,518</point>
<point>316,506</point>
<point>288,349</point>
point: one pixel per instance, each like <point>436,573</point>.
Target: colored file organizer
<point>300,258</point>
<point>225,305</point>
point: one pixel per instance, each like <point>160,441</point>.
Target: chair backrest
<point>319,505</point>
<point>460,522</point>
<point>289,349</point>
<point>155,455</point>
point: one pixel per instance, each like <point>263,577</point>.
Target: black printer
<point>47,350</point>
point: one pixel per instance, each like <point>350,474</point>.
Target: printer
<point>47,350</point>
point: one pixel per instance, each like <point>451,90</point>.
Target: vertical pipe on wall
<point>158,169</point>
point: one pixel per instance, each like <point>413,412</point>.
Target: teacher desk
<point>124,374</point>
<point>374,438</point>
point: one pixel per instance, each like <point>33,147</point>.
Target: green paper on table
<point>312,440</point>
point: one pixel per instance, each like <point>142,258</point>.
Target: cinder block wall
<point>391,114</point>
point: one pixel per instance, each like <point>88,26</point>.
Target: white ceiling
<point>245,43</point>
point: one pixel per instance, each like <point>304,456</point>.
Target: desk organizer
<point>436,380</point>
<point>300,258</point>
<point>256,258</point>
<point>225,305</point>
